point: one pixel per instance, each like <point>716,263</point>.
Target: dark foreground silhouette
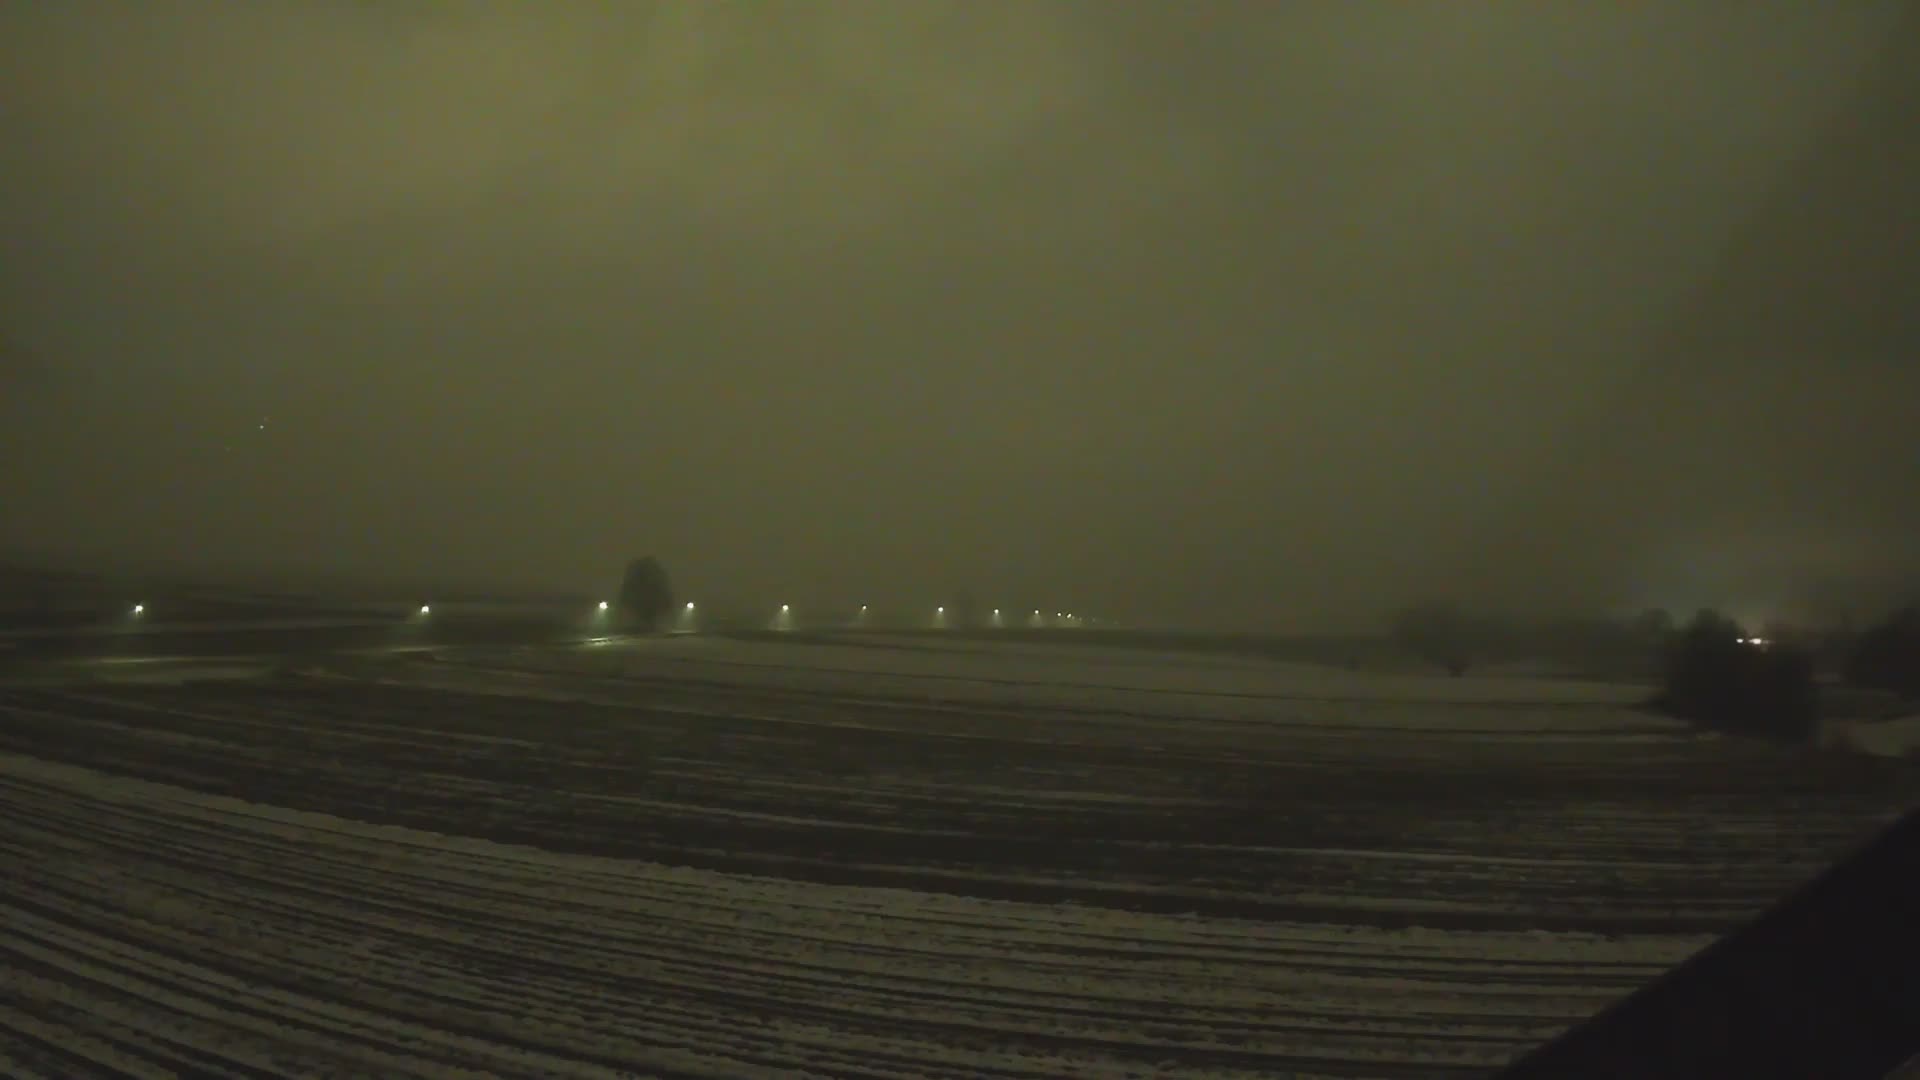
<point>1824,985</point>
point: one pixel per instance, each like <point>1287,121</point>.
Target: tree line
<point>1711,671</point>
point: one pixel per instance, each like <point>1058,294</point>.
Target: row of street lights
<point>783,619</point>
<point>427,609</point>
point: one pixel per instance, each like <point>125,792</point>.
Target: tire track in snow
<point>483,952</point>
<point>746,827</point>
<point>874,1009</point>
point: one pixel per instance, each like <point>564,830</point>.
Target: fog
<point>1266,315</point>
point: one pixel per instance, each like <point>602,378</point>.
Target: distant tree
<point>1787,696</point>
<point>966,611</point>
<point>1704,669</point>
<point>1719,678</point>
<point>1654,625</point>
<point>1437,633</point>
<point>645,598</point>
<point>1887,655</point>
<point>1642,642</point>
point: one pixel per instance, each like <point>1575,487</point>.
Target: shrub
<point>645,597</point>
<point>1887,657</point>
<point>1717,678</point>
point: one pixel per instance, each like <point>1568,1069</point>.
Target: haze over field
<point>1218,314</point>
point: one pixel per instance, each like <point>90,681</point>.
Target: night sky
<point>1258,314</point>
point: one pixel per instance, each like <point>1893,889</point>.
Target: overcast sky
<point>1238,314</point>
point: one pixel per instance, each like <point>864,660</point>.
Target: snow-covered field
<point>128,629</point>
<point>867,858</point>
<point>1899,737</point>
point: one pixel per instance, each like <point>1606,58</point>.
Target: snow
<point>309,938</point>
<point>715,857</point>
<point>1101,668</point>
<point>1116,682</point>
<point>158,625</point>
<point>1898,738</point>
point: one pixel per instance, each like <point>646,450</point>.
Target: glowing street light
<point>139,609</point>
<point>603,605</point>
<point>426,609</point>
<point>689,605</point>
